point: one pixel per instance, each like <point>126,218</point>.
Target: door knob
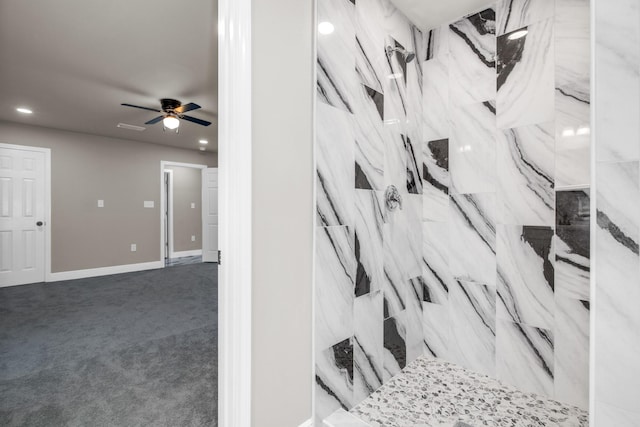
<point>39,223</point>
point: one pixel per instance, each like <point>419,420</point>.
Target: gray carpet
<point>136,349</point>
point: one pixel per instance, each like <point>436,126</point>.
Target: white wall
<point>282,211</point>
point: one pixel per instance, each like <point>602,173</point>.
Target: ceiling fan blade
<point>197,121</point>
<point>187,107</point>
<point>154,121</point>
<point>142,108</point>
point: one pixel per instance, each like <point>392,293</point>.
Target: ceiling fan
<point>172,112</point>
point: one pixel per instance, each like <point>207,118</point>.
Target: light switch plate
<point>149,204</point>
<point>193,238</point>
<point>101,203</point>
<point>134,247</point>
<point>193,205</point>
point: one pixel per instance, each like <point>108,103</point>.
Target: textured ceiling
<point>74,61</point>
<point>428,14</point>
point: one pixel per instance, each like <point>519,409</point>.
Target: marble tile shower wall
<point>485,135</point>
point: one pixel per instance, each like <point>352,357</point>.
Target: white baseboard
<point>196,252</point>
<point>308,423</point>
<point>103,271</point>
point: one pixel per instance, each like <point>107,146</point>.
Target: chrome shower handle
<point>393,198</point>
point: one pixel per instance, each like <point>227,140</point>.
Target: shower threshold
<point>435,393</point>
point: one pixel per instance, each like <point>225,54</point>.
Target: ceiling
<point>73,62</point>
<point>429,14</point>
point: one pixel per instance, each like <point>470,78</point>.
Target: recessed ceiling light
<point>203,141</point>
<point>325,28</point>
<point>202,148</point>
<point>24,110</point>
<point>518,35</point>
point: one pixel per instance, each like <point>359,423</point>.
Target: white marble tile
<point>435,262</point>
<point>525,275</point>
<point>371,60</point>
<point>515,14</point>
<point>524,357</point>
<point>571,351</point>
<point>617,36</point>
<point>437,42</point>
<point>394,86</point>
<point>617,373</point>
<point>335,162</point>
<point>370,135</point>
<point>573,264</point>
<point>413,149</point>
<point>610,415</point>
<point>472,311</point>
<point>526,90</point>
<point>369,232</point>
<point>414,319</point>
<point>368,344</point>
<point>472,254</point>
<point>396,24</point>
<point>336,63</point>
<point>473,148</point>
<point>436,327</point>
<point>342,418</point>
<point>395,158</point>
<point>436,110</point>
<point>395,347</point>
<point>436,180</point>
<point>573,69</point>
<point>334,379</point>
<point>472,48</point>
<point>403,240</point>
<point>334,290</point>
<point>526,163</point>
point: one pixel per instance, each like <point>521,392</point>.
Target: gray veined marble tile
<point>573,69</point>
<point>472,254</point>
<point>435,262</point>
<point>413,150</point>
<point>369,231</point>
<point>437,43</point>
<point>436,111</point>
<point>472,311</point>
<point>526,87</point>
<point>394,86</point>
<point>472,48</point>
<point>395,158</point>
<point>526,275</point>
<point>334,290</point>
<point>436,180</point>
<point>395,346</point>
<point>525,358</point>
<point>515,14</point>
<point>526,162</point>
<point>414,319</point>
<point>573,208</point>
<point>335,146</point>
<point>571,334</point>
<point>371,62</point>
<point>573,266</point>
<point>396,24</point>
<point>607,414</point>
<point>368,344</point>
<point>617,276</point>
<point>473,148</point>
<point>342,418</point>
<point>617,36</point>
<point>370,135</point>
<point>419,47</point>
<point>336,63</point>
<point>436,327</point>
<point>334,379</point>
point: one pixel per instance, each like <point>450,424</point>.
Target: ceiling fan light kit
<point>172,113</point>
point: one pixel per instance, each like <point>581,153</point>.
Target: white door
<point>22,216</point>
<point>210,215</point>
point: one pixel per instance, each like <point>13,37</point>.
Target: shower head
<point>408,56</point>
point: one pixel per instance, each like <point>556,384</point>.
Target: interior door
<point>210,215</point>
<point>22,215</point>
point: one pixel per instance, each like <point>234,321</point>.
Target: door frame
<point>47,201</point>
<point>164,203</point>
<point>235,212</point>
<point>168,208</point>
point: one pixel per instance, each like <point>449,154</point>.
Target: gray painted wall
<point>282,211</point>
<point>187,221</point>
<point>123,173</point>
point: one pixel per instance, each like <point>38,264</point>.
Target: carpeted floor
<point>137,349</point>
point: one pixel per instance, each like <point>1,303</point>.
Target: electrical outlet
<point>101,203</point>
<point>193,238</point>
<point>134,247</point>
